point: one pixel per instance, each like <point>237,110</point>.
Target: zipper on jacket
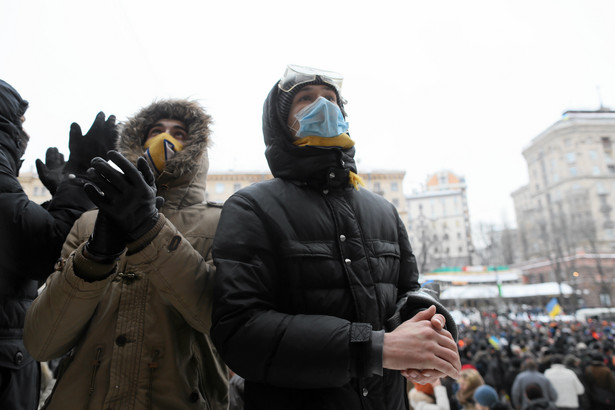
<point>152,366</point>
<point>95,366</point>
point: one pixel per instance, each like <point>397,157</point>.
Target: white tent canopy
<point>491,277</point>
<point>508,291</point>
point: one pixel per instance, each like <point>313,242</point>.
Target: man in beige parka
<point>130,302</point>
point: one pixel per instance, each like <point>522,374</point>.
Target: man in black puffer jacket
<point>310,266</point>
<point>32,235</point>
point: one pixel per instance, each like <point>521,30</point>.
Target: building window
<point>595,170</point>
<point>600,189</point>
<point>236,187</point>
<point>394,187</point>
<point>376,186</point>
<point>219,187</point>
<point>593,155</point>
<point>605,299</point>
<point>557,196</point>
<point>606,143</point>
<point>35,191</point>
<point>571,157</point>
<point>396,202</point>
<point>611,169</point>
<point>573,171</point>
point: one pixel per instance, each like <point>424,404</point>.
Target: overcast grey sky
<point>431,85</point>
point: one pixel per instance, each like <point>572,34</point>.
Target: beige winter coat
<point>139,339</point>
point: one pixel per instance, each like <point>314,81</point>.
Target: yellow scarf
<point>342,141</point>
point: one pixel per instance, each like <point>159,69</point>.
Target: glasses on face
<point>296,75</point>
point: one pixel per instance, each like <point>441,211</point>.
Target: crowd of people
<point>529,365</point>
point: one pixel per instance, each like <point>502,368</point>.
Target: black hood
<point>12,136</point>
<point>302,164</point>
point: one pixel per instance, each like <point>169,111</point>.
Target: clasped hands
<point>422,349</point>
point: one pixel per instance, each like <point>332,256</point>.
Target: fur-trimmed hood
<point>187,167</point>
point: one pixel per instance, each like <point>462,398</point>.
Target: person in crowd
<point>566,383</point>
<point>310,266</point>
<point>235,392</point>
<point>469,380</point>
<point>486,398</point>
<point>32,235</point>
<point>513,368</point>
<point>130,301</point>
<point>530,374</point>
<point>535,398</point>
<point>600,382</point>
<point>433,398</point>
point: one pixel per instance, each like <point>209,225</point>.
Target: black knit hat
<point>285,98</point>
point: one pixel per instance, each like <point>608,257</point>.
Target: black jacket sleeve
<point>32,235</point>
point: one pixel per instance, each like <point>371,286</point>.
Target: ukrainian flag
<point>553,308</point>
<point>495,342</point>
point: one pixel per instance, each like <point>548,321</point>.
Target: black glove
<point>107,241</point>
<point>129,198</point>
<point>51,172</point>
<point>417,300</point>
<point>96,143</point>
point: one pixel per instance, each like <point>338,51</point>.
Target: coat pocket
<point>13,354</point>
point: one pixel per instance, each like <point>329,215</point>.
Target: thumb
<point>41,168</point>
<point>75,131</point>
<point>424,314</point>
<point>95,194</point>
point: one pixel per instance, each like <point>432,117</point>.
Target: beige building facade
<point>566,209</point>
<point>438,222</point>
<point>33,187</point>
<point>388,183</point>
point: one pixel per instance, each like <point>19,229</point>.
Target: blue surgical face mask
<point>322,118</point>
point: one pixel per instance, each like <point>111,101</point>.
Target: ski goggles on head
<point>296,75</point>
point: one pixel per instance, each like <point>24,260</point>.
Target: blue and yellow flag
<point>553,308</point>
<point>495,342</point>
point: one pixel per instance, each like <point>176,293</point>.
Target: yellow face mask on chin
<point>160,149</point>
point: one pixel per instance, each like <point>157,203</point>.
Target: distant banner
<point>553,308</point>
